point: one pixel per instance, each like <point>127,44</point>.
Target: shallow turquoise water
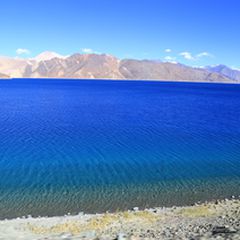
<point>71,146</point>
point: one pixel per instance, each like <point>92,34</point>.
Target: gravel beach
<point>213,220</point>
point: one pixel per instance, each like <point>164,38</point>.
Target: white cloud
<point>170,59</point>
<point>190,56</point>
<point>235,68</point>
<point>87,50</point>
<point>21,51</point>
<point>168,50</point>
<point>187,55</point>
<point>204,54</point>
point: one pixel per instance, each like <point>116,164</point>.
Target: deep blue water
<point>71,146</point>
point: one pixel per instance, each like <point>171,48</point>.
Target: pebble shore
<point>212,220</point>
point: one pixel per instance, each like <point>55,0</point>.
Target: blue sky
<point>194,32</point>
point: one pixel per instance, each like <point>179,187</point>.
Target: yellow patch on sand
<point>98,223</point>
<point>141,216</point>
<point>196,211</point>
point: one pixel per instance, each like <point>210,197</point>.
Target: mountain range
<point>104,66</point>
<point>226,71</point>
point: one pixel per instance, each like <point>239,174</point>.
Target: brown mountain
<point>13,67</point>
<point>226,71</point>
<point>91,66</point>
<point>134,69</point>
<point>3,75</point>
<point>95,66</point>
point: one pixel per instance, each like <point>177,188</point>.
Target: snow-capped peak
<point>47,56</point>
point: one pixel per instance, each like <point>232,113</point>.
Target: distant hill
<point>3,75</point>
<point>103,66</point>
<point>226,71</point>
<point>13,67</point>
<point>134,69</point>
<point>76,66</point>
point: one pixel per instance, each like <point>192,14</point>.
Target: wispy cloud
<point>168,50</point>
<point>187,55</point>
<point>204,54</point>
<point>89,51</point>
<point>191,57</point>
<point>235,68</point>
<point>170,59</point>
<point>22,51</point>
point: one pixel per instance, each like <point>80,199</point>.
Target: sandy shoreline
<point>125,80</point>
<point>213,220</point>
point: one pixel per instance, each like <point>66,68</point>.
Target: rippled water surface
<point>71,146</point>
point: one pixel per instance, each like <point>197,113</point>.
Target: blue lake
<point>68,146</point>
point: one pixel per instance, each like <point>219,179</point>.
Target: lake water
<point>69,146</point>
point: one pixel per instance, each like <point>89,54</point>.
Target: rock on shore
<point>215,220</point>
